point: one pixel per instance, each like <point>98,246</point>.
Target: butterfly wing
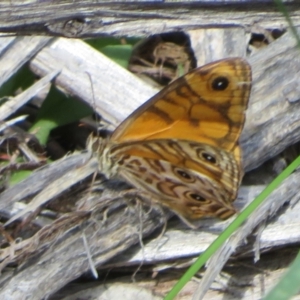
<point>193,179</point>
<point>206,105</point>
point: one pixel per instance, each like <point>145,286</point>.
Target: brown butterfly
<point>181,146</point>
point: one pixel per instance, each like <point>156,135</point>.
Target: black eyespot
<point>209,158</point>
<point>197,197</point>
<point>220,83</point>
<point>183,174</point>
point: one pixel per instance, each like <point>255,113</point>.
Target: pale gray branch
<point>85,18</point>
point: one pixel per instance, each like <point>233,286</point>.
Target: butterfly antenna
<point>91,138</point>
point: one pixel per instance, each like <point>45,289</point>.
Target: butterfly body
<point>181,146</point>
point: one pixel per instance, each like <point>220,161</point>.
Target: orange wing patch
<point>207,105</point>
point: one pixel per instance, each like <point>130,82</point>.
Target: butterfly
<point>181,146</point>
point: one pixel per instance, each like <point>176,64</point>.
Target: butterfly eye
<point>209,158</point>
<point>220,83</point>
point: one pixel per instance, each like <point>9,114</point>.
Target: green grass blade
<point>202,259</point>
<point>281,7</point>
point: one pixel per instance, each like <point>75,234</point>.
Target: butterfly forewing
<point>206,105</point>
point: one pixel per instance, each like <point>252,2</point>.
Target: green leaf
<point>58,110</point>
<point>289,284</point>
<point>23,78</point>
<point>18,176</point>
<point>120,54</point>
<point>115,49</point>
